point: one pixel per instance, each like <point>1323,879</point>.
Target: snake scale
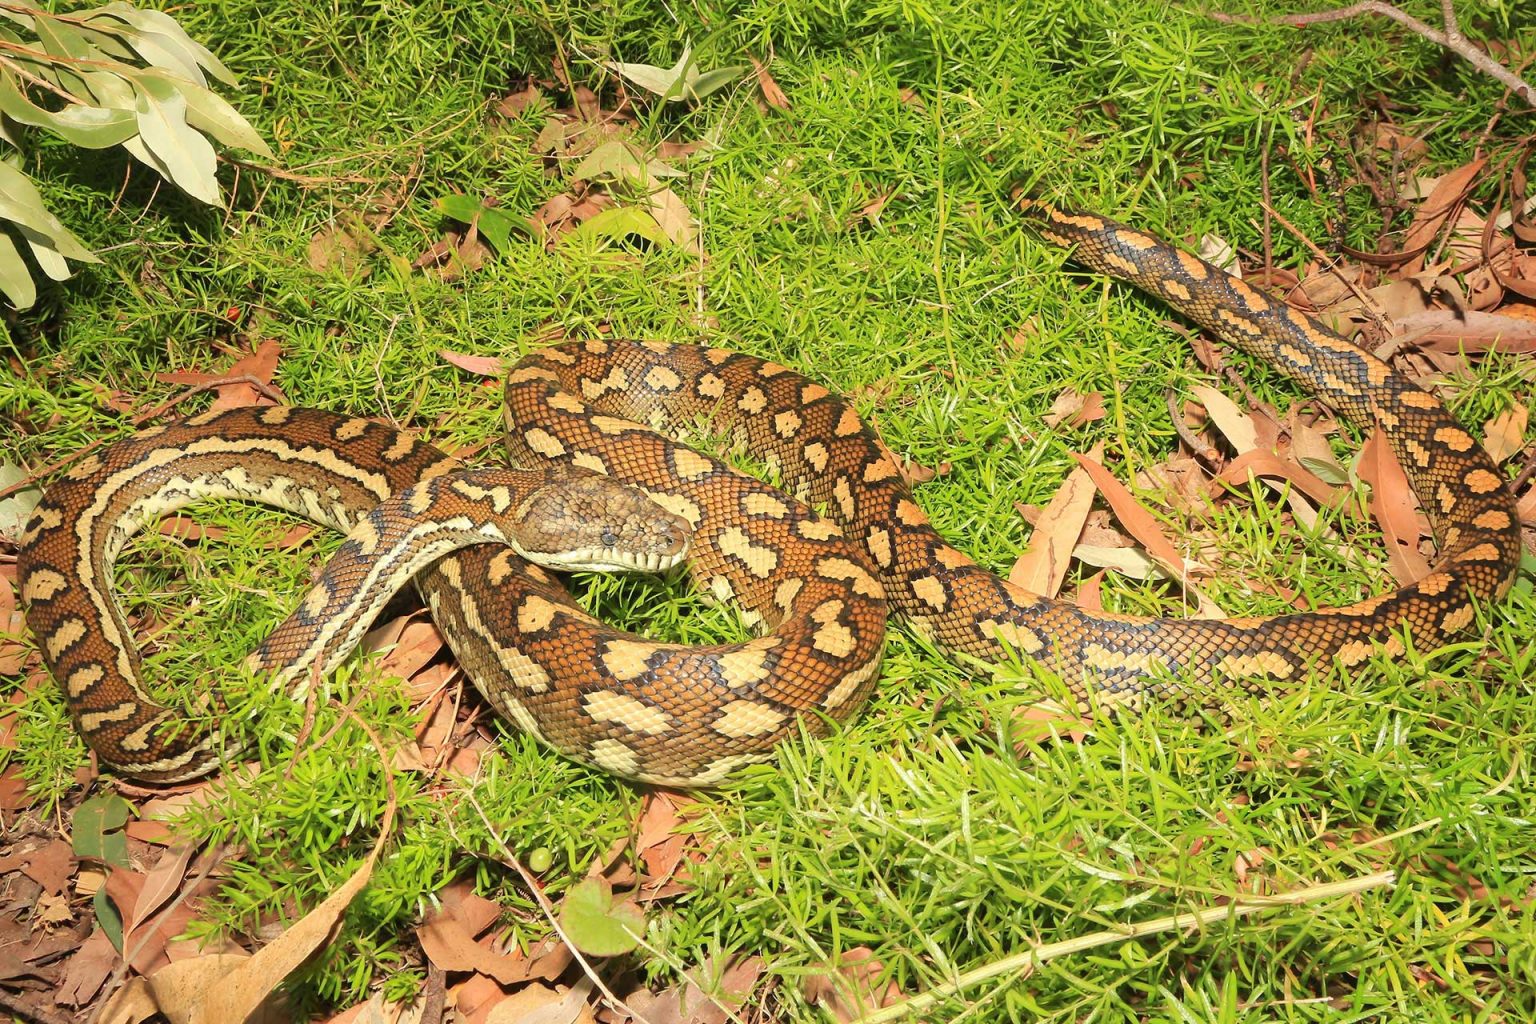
<point>817,585</point>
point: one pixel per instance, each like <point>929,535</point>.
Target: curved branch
<point>1450,38</point>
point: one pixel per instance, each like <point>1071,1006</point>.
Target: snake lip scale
<point>818,586</point>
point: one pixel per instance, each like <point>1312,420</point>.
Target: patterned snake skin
<point>818,586</point>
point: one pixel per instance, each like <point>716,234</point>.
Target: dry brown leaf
<point>1448,194</point>
<point>1261,463</point>
<point>871,210</point>
<point>160,885</point>
<point>88,970</point>
<point>1525,508</point>
<point>540,1004</point>
<point>50,866</point>
<point>772,94</point>
<point>1074,409</point>
<point>1043,567</point>
<point>419,643</point>
<point>485,366</point>
<point>342,245</point>
<point>222,988</point>
<point>1504,435</point>
<point>1393,505</point>
<point>1138,522</point>
<point>260,365</point>
<point>851,989</point>
<point>669,211</point>
<point>448,937</point>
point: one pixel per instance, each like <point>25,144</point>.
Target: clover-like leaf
<point>595,924</point>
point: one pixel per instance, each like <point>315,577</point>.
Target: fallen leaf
<point>851,989</point>
<point>1504,435</point>
<point>1074,409</point>
<point>1393,506</point>
<point>222,988</point>
<point>1043,567</point>
<point>772,94</point>
<point>1449,192</point>
<point>258,365</point>
<point>343,245</point>
<point>540,1004</point>
<point>88,970</point>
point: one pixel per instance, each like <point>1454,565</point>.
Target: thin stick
<point>510,860</point>
<point>1036,955</point>
<point>1451,38</point>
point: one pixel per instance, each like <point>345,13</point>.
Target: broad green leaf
<point>16,509</point>
<point>620,161</point>
<point>15,278</point>
<point>185,154</point>
<point>90,127</point>
<point>495,225</point>
<point>160,51</point>
<point>619,223</point>
<point>682,81</point>
<point>109,917</point>
<point>209,112</point>
<point>97,826</point>
<point>597,926</point>
<point>20,202</point>
<point>64,40</point>
<point>168,27</point>
<point>110,89</point>
<point>24,20</point>
<point>47,256</point>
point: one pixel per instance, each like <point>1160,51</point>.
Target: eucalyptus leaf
<point>109,917</point>
<point>185,154</point>
<point>89,127</point>
<point>207,111</point>
<point>47,256</point>
<point>162,52</point>
<point>97,827</point>
<point>15,276</point>
<point>16,509</point>
<point>616,224</point>
<point>170,29</point>
<point>496,226</point>
<point>21,202</point>
<point>682,81</point>
<point>110,89</point>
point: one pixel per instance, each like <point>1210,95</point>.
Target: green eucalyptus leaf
<point>713,81</point>
<point>109,917</point>
<point>187,157</point>
<point>110,89</point>
<point>15,277</point>
<point>48,258</point>
<point>208,112</point>
<point>22,203</point>
<point>616,224</point>
<point>496,226</point>
<point>170,32</point>
<point>88,127</point>
<point>682,81</point>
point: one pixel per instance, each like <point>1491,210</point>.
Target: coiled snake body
<point>819,586</point>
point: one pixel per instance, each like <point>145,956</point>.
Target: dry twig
<point>1450,37</point>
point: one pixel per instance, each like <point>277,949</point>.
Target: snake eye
<point>610,539</point>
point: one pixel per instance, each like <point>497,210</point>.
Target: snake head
<point>585,522</point>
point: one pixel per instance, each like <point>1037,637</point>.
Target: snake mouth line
<point>610,560</point>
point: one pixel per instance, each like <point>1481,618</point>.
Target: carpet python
<point>818,586</point>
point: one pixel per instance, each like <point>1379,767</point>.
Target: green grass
<point>927,829</point>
